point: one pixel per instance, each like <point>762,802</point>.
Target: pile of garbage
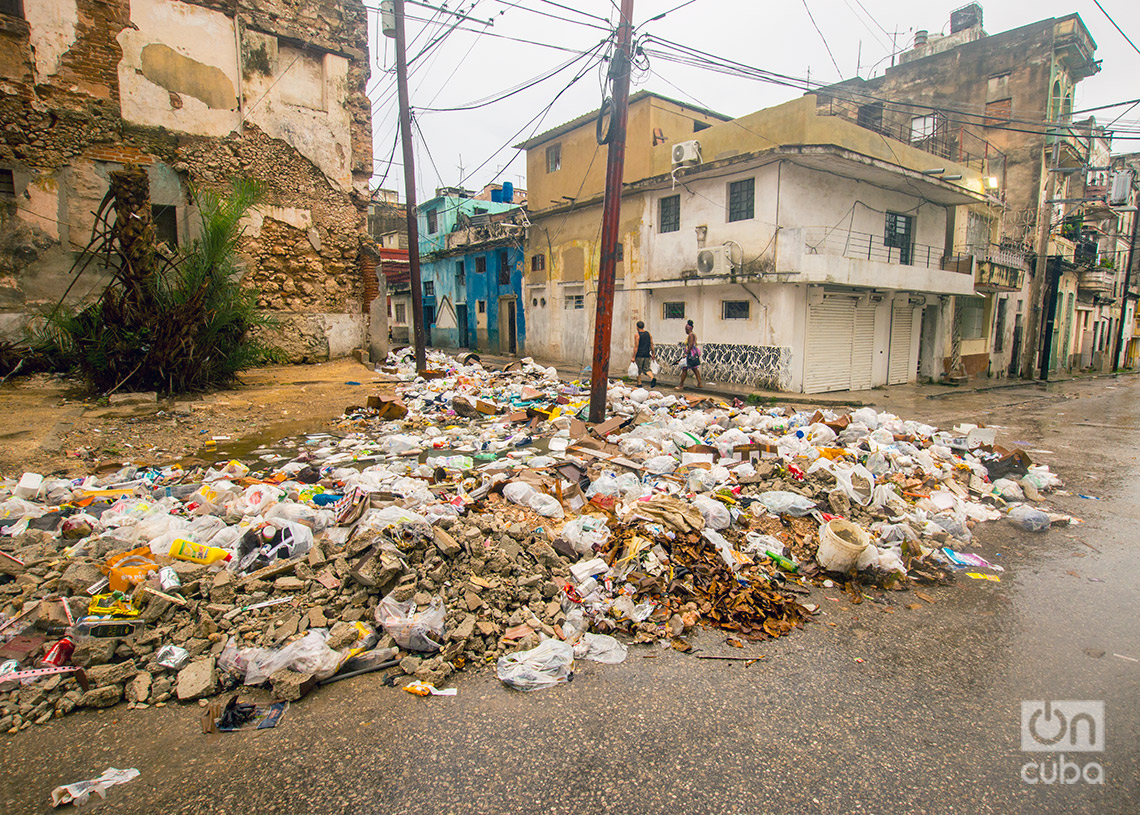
<point>475,518</point>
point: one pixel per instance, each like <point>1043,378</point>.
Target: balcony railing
<point>1098,281</point>
<point>822,240</point>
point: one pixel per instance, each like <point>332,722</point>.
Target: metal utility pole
<point>1124,298</point>
<point>409,182</point>
<point>611,213</point>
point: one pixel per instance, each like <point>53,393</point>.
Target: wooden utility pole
<point>1124,297</point>
<point>1037,287</point>
<point>410,186</point>
<point>611,213</point>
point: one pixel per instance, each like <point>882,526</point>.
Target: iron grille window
<point>899,235</point>
<point>429,288</point>
<point>670,214</point>
<point>673,311</point>
<point>742,200</point>
<point>480,265</point>
<point>460,273</point>
<point>504,270</point>
<point>735,309</point>
<point>432,222</point>
<point>401,313</point>
<point>481,306</point>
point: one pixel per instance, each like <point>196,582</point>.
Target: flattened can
<point>168,578</point>
<point>60,653</point>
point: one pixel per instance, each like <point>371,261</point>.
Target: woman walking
<point>691,360</point>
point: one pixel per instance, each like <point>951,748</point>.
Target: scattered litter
<point>473,517</point>
<point>980,576</point>
<point>428,689</point>
<point>80,791</point>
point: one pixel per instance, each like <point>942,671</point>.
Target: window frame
<point>504,268</point>
<point>480,306</point>
<point>724,309</point>
<point>401,314</point>
<point>893,237</point>
<point>481,264</point>
<point>979,323</point>
<point>160,212</point>
<point>923,128</point>
<point>429,288</point>
<point>998,111</point>
<point>553,158</point>
<point>9,176</point>
<point>538,262</point>
<point>674,222</point>
<point>736,198</point>
<point>460,273</point>
<point>665,307</point>
<point>431,216</point>
<point>574,302</point>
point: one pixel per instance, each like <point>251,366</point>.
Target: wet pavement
<point>892,709</point>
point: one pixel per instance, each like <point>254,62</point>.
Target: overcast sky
<point>466,67</point>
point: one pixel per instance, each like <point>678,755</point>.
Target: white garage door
<point>898,365</point>
<point>840,346</point>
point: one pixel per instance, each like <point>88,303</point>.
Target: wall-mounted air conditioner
<point>686,153</point>
<point>714,260</point>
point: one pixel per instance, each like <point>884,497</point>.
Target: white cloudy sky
<point>465,67</point>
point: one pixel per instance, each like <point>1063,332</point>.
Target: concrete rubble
<point>469,522</point>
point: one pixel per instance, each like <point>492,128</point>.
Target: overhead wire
<point>815,25</point>
<point>1117,27</point>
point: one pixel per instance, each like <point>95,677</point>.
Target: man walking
<point>644,354</point>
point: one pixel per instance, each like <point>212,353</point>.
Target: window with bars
<point>575,301</point>
<point>735,309</point>
<point>7,184</point>
<point>504,269</point>
<point>672,311</point>
<point>460,273</point>
<point>899,234</point>
<point>669,214</point>
<point>429,288</point>
<point>481,306</point>
<point>742,199</point>
<point>432,221</point>
<point>480,264</point>
<point>401,313</point>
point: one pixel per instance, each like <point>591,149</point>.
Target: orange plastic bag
<point>127,569</point>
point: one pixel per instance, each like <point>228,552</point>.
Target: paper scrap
<point>428,689</point>
<point>978,576</point>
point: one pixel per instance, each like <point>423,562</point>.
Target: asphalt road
<point>892,710</point>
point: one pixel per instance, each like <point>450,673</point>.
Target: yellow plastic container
<point>182,549</point>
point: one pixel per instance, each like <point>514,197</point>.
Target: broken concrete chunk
<point>196,680</point>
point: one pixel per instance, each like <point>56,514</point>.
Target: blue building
<point>471,268</point>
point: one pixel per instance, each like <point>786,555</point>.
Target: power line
<point>553,16</point>
<point>820,33</point>
<point>577,11</point>
<point>1118,28</point>
<point>663,14</point>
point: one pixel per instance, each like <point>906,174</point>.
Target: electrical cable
<point>552,16</point>
<point>825,43</point>
<point>1118,28</point>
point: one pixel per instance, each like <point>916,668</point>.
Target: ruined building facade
<point>199,92</point>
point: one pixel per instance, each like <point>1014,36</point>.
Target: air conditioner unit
<point>715,260</point>
<point>686,152</point>
<point>1121,185</point>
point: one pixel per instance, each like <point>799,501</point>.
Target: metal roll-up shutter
<point>863,348</point>
<point>830,333</point>
<point>898,363</point>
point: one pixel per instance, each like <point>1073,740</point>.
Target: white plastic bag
<point>413,630</point>
<point>715,513</point>
<point>308,655</point>
<point>519,492</point>
<point>546,505</point>
<point>600,648</point>
<point>550,664</point>
<point>654,368</point>
<point>782,502</point>
<point>1028,518</point>
<point>585,533</point>
<point>631,371</point>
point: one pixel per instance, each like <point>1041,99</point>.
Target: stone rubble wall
<point>199,92</point>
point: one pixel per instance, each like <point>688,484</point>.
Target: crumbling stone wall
<point>66,126</point>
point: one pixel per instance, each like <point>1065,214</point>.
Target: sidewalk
<point>853,399</point>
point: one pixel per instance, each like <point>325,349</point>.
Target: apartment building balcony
<point>1098,282</point>
<point>821,255</point>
